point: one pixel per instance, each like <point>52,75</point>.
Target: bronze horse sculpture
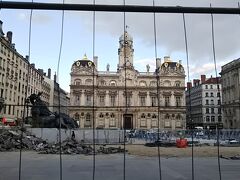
<point>42,117</point>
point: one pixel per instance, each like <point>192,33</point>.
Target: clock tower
<point>125,51</point>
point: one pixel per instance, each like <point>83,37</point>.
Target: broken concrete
<point>15,140</point>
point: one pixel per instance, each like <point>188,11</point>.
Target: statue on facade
<point>42,117</point>
<point>148,67</point>
<point>108,67</point>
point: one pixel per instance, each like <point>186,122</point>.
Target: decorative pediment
<point>77,91</point>
<point>142,93</point>
<point>129,93</point>
<point>176,93</point>
<point>153,93</point>
<point>112,93</point>
<point>167,93</point>
<point>88,92</point>
<point>103,93</point>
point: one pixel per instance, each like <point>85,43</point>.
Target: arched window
<point>102,83</point>
<point>167,83</point>
<point>113,83</point>
<point>177,83</point>
<point>153,83</point>
<point>142,84</point>
<point>78,82</point>
<point>88,82</point>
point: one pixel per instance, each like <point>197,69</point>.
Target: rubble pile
<point>11,141</point>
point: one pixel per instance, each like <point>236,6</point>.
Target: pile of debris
<point>237,157</point>
<point>12,140</point>
<point>161,143</point>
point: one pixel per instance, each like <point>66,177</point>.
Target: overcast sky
<point>78,33</point>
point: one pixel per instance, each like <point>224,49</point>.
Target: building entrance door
<point>128,121</point>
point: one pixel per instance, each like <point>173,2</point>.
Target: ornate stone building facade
<point>128,98</point>
<point>231,94</point>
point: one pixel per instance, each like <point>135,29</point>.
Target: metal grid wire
<point>118,8</point>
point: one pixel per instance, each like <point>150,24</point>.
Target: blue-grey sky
<point>78,34</point>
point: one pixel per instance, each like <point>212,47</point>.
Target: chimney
<point>158,63</point>
<point>27,58</point>
<point>167,59</point>
<point>55,77</point>
<point>13,46</point>
<point>198,82</point>
<point>41,71</point>
<point>49,73</point>
<point>33,65</point>
<point>9,36</point>
<point>203,78</point>
<point>189,85</point>
<point>195,82</point>
<point>95,60</point>
<point>1,31</point>
<point>180,61</point>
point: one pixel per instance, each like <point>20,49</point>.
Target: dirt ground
<point>204,151</point>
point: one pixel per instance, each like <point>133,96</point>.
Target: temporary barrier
<point>181,143</point>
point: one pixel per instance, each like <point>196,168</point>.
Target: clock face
<point>78,63</point>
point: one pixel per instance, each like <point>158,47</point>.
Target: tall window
<point>211,86</point>
<point>206,86</point>
<point>212,102</point>
<point>207,110</point>
<point>88,120</point>
<point>128,100</point>
<point>154,102</point>
<point>212,118</point>
<point>207,118</point>
<point>88,100</point>
<point>219,102</point>
<point>102,100</point>
<point>178,101</point>
<point>207,102</point>
<point>219,118</point>
<point>142,101</point>
<point>218,94</point>
<point>112,100</point>
<point>206,94</point>
<point>167,101</point>
<point>177,84</point>
<point>212,110</point>
<point>77,100</point>
<point>219,111</point>
<point>211,94</point>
